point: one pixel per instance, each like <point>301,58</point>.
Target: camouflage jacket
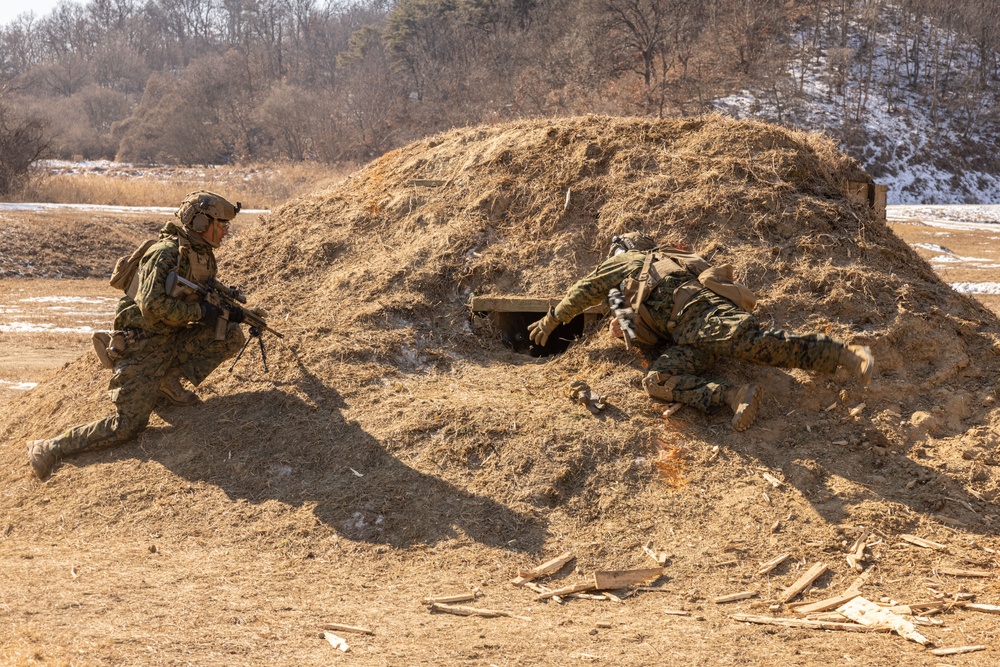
<point>593,289</point>
<point>154,310</point>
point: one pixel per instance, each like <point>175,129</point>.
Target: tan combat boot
<point>859,361</point>
<point>744,401</point>
<point>43,455</point>
<point>171,389</point>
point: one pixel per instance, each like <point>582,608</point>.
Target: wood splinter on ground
<point>767,567</point>
<point>548,567</point>
<point>803,582</point>
<point>659,557</point>
<point>448,599</point>
<point>612,579</point>
<point>957,650</point>
<point>921,542</point>
<point>462,610</point>
<point>348,628</point>
<point>733,597</point>
<point>336,642</point>
<point>805,623</point>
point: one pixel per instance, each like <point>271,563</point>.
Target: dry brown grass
<point>256,186</point>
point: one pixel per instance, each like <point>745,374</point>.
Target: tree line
<point>217,81</point>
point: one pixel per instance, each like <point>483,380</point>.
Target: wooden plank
<point>868,613</point>
<point>448,599</point>
<point>767,567</point>
<point>566,590</point>
<point>461,610</point>
<point>548,567</point>
<point>824,605</point>
<point>921,542</point>
<point>805,623</point>
<point>348,628</point>
<point>957,650</point>
<point>612,579</point>
<point>955,572</point>
<point>803,582</point>
<point>733,597</point>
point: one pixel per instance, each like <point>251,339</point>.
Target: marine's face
<point>217,230</point>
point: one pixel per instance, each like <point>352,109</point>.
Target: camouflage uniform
<point>162,334</point>
<point>708,327</point>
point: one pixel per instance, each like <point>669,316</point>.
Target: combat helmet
<point>201,207</point>
<point>631,241</point>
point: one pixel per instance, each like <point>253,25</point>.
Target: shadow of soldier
<point>271,445</point>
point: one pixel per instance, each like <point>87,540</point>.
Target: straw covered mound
<point>392,417</point>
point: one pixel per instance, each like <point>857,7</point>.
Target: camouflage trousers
<point>711,328</point>
<point>135,382</point>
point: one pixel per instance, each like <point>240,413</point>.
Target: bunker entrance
<point>511,315</point>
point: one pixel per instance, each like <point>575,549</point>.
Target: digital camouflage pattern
<point>161,333</point>
<point>708,328</point>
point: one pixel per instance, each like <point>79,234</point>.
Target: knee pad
<point>660,385</point>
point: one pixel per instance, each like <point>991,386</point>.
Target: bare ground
<point>327,491</point>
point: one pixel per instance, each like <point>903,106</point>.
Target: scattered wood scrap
<point>612,579</point>
<point>659,557</point>
<point>803,582</point>
<point>767,567</point>
<point>856,555</point>
<point>772,480</point>
<point>987,608</point>
<point>921,542</point>
<point>546,568</point>
<point>733,597</point>
<point>957,650</point>
<point>956,572</point>
<point>336,642</point>
<point>805,623</point>
<point>870,614</point>
<point>567,590</point>
<point>824,605</point>
<point>348,628</point>
<point>448,599</point>
<point>462,610</point>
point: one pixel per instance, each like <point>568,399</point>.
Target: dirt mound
<point>391,418</point>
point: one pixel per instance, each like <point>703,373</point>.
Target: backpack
<point>125,276</point>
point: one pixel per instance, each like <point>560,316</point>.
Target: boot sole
<point>746,412</point>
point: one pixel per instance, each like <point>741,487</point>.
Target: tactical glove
<point>209,313</point>
<point>236,315</point>
<point>540,331</point>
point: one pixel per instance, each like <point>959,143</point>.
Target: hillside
<point>396,449</point>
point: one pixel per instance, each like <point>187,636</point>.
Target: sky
<point>10,9</point>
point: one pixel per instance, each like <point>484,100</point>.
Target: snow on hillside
<point>904,147</point>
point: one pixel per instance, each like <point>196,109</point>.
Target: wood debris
<point>336,642</point>
<point>733,597</point>
<point>659,557</point>
<point>348,628</point>
<point>566,590</point>
<point>803,582</point>
<point>462,610</point>
<point>772,480</point>
<point>824,605</point>
<point>868,613</point>
<point>612,579</point>
<point>447,599</point>
<point>806,623</point>
<point>957,650</point>
<point>987,608</point>
<point>674,407</point>
<point>921,542</point>
<point>955,572</point>
<point>548,567</point>
<point>767,567</point>
<point>856,410</point>
<point>856,555</point>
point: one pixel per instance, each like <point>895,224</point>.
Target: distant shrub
<point>23,141</point>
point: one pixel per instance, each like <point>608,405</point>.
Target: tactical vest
<point>201,269</point>
<point>662,263</point>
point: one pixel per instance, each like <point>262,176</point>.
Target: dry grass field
<point>397,451</point>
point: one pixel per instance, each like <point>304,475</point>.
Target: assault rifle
<point>226,299</point>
